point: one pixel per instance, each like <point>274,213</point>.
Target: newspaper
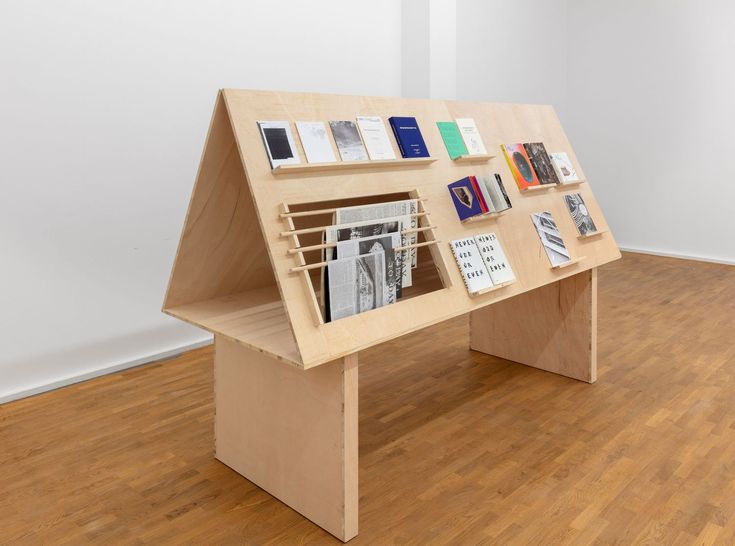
<point>355,284</point>
<point>379,211</point>
<point>369,228</point>
<point>393,262</point>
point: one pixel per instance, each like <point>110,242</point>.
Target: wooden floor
<point>455,447</point>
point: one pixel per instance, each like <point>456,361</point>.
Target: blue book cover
<point>408,136</point>
<point>464,199</point>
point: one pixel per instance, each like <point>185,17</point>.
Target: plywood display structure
<point>239,274</point>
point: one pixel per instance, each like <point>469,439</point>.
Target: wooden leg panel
<point>553,328</point>
<point>292,432</point>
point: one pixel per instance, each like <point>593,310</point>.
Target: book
<point>408,136</point>
<point>494,258</point>
<point>348,141</point>
<point>375,137</point>
<point>279,143</point>
<point>452,139</point>
<point>563,167</point>
<point>390,209</point>
<point>469,261</point>
<point>483,185</point>
<point>580,214</point>
<point>520,166</point>
<point>356,284</point>
<point>471,136</point>
<point>501,187</point>
<point>464,198</point>
<point>315,142</point>
<point>550,237</point>
<point>480,195</point>
<point>541,163</point>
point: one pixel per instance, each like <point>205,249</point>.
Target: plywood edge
<point>282,356</point>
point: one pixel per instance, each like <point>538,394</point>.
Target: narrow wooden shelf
<point>575,183</point>
<point>256,319</point>
<point>593,234</point>
<point>487,216</point>
<point>570,262</point>
<point>349,165</point>
<point>474,158</point>
<point>493,288</point>
<point>541,187</point>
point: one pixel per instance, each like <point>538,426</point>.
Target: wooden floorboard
<point>455,447</point>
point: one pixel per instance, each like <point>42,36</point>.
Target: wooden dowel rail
<point>333,245</point>
<point>319,265</point>
<point>316,212</point>
<point>325,228</point>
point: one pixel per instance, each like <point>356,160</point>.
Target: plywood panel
<point>498,124</point>
<point>553,328</point>
<point>221,251</point>
<point>291,432</point>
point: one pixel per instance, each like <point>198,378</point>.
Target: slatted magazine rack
<point>249,260</point>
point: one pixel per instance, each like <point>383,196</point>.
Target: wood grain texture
<point>271,193</point>
<point>456,447</point>
<point>291,432</point>
<point>553,328</point>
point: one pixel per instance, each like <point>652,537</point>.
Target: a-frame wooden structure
<point>242,271</point>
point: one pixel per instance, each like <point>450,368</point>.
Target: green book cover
<point>452,139</point>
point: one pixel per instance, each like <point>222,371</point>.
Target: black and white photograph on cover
<point>393,260</point>
<point>541,162</point>
<point>550,238</point>
<point>279,143</point>
<point>348,140</point>
<point>580,214</point>
<point>355,284</point>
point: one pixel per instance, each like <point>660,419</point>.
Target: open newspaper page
<point>378,211</point>
<point>370,228</point>
<point>393,264</point>
<point>356,284</point>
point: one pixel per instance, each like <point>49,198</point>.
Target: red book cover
<point>520,166</point>
<point>478,194</point>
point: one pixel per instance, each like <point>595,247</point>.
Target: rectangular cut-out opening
<point>306,219</point>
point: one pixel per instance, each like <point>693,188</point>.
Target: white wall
<point>651,108</point>
<point>103,112</point>
<point>512,51</point>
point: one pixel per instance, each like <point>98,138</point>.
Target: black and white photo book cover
<point>348,141</point>
<point>551,239</point>
<point>581,216</point>
<point>279,143</point>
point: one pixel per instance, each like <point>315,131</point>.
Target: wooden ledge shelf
<point>474,158</point>
<point>541,187</point>
<point>567,264</point>
<point>575,183</point>
<point>593,234</point>
<point>492,288</point>
<point>255,319</point>
<point>487,216</point>
<point>350,165</point>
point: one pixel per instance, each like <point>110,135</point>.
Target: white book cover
<point>563,167</point>
<point>484,183</point>
<point>471,136</point>
<point>550,237</point>
<point>375,137</point>
<point>470,264</point>
<point>494,258</point>
<point>315,141</point>
<point>279,143</point>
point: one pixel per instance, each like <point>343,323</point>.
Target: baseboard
<point>162,355</point>
<point>680,256</point>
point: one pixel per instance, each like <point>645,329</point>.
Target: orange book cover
<point>520,166</point>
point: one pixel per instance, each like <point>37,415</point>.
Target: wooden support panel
<point>291,432</point>
<point>553,328</point>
